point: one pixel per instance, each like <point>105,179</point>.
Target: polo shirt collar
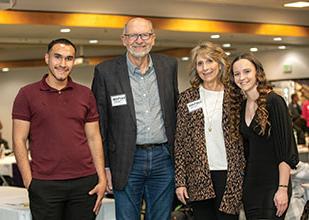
<point>45,87</point>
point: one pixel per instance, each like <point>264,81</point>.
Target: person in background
<point>299,124</point>
<point>209,156</point>
<point>3,143</point>
<point>305,113</point>
<point>270,145</point>
<point>136,95</point>
<point>59,119</point>
<point>294,107</point>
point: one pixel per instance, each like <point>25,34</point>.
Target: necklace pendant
<point>209,129</point>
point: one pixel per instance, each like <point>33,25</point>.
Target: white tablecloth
<point>14,205</point>
<point>306,187</point>
<point>107,211</point>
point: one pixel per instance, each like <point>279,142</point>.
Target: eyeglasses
<point>134,37</point>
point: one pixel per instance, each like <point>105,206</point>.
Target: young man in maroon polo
<point>58,117</point>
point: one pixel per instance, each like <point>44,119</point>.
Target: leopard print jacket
<point>191,164</point>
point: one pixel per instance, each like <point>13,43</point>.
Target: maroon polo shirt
<point>57,139</point>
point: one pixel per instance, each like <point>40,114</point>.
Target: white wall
<point>183,75</point>
<point>273,62</point>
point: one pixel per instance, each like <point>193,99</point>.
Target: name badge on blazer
<point>195,105</point>
<point>118,100</point>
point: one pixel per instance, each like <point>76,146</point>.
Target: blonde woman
<point>209,159</point>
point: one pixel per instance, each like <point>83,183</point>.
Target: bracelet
<point>285,186</point>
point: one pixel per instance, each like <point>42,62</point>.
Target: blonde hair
<point>212,51</point>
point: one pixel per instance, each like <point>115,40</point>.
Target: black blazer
<point>118,123</point>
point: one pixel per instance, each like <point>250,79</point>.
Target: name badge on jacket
<point>195,105</point>
<point>118,100</point>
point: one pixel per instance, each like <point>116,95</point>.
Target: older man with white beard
<point>136,95</point>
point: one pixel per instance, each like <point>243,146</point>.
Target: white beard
<point>139,54</point>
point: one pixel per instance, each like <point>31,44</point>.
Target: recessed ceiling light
<point>5,69</point>
<point>297,4</point>
<point>226,45</point>
<point>253,49</point>
<point>215,36</point>
<point>277,39</point>
<point>282,47</point>
<point>65,30</point>
<point>228,53</point>
<point>185,58</point>
<point>93,41</point>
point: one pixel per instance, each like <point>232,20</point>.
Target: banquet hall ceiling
<point>26,28</point>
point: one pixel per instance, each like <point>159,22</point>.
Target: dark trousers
<point>209,209</point>
<point>62,199</point>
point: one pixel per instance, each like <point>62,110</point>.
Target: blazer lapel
<point>123,76</point>
<point>160,80</point>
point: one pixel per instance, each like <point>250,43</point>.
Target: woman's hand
<point>182,194</point>
<point>281,200</point>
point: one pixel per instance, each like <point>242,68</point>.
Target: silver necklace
<point>207,115</point>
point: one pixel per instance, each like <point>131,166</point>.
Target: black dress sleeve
<point>281,131</point>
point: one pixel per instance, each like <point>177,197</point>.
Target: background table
<point>14,205</point>
<point>306,187</point>
<point>6,168</point>
<point>107,211</point>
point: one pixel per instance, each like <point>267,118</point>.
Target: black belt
<point>150,145</point>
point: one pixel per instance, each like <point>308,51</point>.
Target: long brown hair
<point>263,88</point>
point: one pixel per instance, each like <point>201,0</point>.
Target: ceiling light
<point>297,4</point>
<point>215,36</point>
<point>226,45</point>
<point>282,47</point>
<point>228,53</point>
<point>277,39</point>
<point>5,69</point>
<point>93,41</point>
<point>65,30</point>
<point>185,58</point>
<point>253,49</point>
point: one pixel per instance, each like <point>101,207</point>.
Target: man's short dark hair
<point>60,41</point>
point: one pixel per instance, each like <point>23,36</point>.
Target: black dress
<point>264,153</point>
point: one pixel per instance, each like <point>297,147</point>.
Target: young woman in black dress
<point>271,150</point>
